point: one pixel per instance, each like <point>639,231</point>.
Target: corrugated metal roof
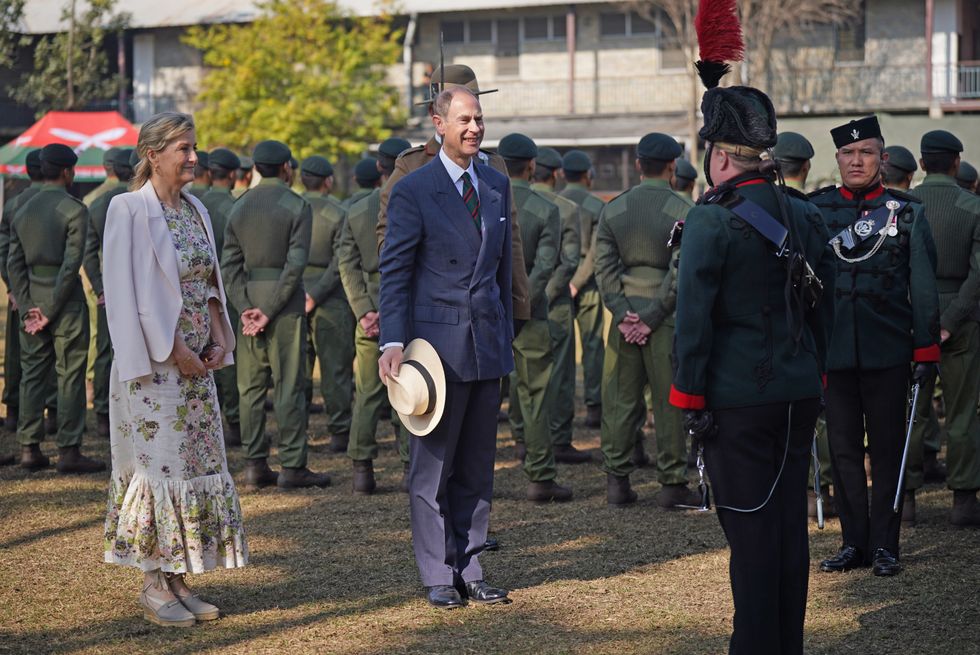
<point>44,16</point>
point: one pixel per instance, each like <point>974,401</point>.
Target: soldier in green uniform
<point>561,389</point>
<point>357,257</point>
<point>954,217</point>
<point>887,315</point>
<point>577,169</point>
<point>632,270</point>
<point>685,177</point>
<point>266,247</point>
<point>331,322</point>
<point>108,163</point>
<point>47,243</point>
<point>408,161</point>
<point>202,175</point>
<point>529,382</point>
<point>92,264</point>
<point>898,168</point>
<point>967,177</point>
<point>243,176</point>
<point>367,177</point>
<point>222,164</point>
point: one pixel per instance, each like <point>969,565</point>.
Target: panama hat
<point>418,394</point>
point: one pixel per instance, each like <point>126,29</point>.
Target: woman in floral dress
<point>173,508</point>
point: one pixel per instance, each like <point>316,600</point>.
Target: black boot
<point>258,474</point>
<point>593,416</point>
<point>618,490</point>
<point>233,435</point>
<point>301,478</point>
<point>364,483</point>
<point>71,460</point>
<point>102,425</point>
<point>32,459</point>
<point>338,442</point>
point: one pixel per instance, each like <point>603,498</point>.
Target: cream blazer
<point>141,282</point>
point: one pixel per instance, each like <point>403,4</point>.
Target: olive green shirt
<point>9,210</point>
<point>321,278</point>
<point>218,201</point>
<point>540,233</point>
<point>98,210</point>
<point>361,193</point>
<point>92,195</point>
<point>570,250</point>
<point>357,255</point>
<point>590,208</point>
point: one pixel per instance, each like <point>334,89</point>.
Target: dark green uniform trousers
<point>331,335</point>
<point>12,368</point>
<point>529,383</point>
<point>823,456</point>
<point>63,347</point>
<point>277,355</point>
<point>588,315</point>
<point>226,380</point>
<point>561,388</point>
<point>626,369</point>
<point>103,363</point>
<point>370,403</point>
<point>960,367</point>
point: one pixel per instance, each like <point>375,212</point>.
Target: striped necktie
<point>471,200</point>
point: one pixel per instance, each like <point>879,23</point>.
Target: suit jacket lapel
<point>452,206</point>
<point>160,239</point>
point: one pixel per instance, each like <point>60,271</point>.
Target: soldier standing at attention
<point>266,247</point>
<point>222,164</point>
<point>202,175</point>
<point>887,315</point>
<point>47,243</point>
<point>243,176</point>
<point>108,159</point>
<point>92,264</point>
<point>685,177</point>
<point>529,382</point>
<point>561,387</point>
<point>954,218</point>
<point>632,270</point>
<point>357,257</point>
<point>793,152</point>
<point>577,169</point>
<point>967,177</point>
<point>458,75</point>
<point>331,323</point>
<point>367,177</point>
<point>898,168</point>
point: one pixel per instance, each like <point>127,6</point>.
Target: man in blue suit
<point>446,278</point>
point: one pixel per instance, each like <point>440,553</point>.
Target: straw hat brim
<point>422,352</point>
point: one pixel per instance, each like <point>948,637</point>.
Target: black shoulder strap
<point>763,222</point>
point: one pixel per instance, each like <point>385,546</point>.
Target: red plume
<point>719,32</point>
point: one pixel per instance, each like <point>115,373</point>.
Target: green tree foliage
<point>11,11</point>
<point>304,73</point>
<point>71,68</point>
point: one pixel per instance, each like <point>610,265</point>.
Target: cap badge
<point>855,134</point>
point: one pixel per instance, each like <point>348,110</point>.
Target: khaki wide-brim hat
<point>450,76</point>
<point>418,394</point>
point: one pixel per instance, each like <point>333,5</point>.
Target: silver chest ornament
<point>892,225</point>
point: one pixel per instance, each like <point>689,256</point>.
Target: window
<point>559,28</point>
<point>613,25</point>
<point>849,37</point>
<point>481,31</point>
<point>640,25</point>
<point>671,52</point>
<point>536,28</point>
<point>452,31</point>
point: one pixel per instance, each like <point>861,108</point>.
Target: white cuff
<point>392,344</point>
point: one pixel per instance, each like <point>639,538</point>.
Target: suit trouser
<point>588,315</point>
<point>451,483</point>
<point>770,556</point>
<point>627,369</point>
<point>561,387</point>
<point>226,379</point>
<point>12,368</point>
<point>331,334</point>
<point>103,363</point>
<point>823,456</point>
<point>960,367</point>
<point>62,347</point>
<point>872,401</point>
<point>370,403</point>
<point>277,354</point>
<point>529,387</point>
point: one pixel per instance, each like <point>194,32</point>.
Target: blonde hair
<point>156,134</point>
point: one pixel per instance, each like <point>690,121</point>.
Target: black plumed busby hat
<point>738,114</point>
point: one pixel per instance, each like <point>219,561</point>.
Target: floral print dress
<point>172,502</point>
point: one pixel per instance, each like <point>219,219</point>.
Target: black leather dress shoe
<point>444,597</point>
<point>481,593</point>
<point>847,558</point>
<point>884,563</point>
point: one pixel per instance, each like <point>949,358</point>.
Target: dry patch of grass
<point>334,573</point>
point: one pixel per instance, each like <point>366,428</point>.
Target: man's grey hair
<point>440,106</point>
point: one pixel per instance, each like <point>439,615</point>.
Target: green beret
<point>393,147</point>
<point>58,154</point>
<point>122,157</point>
<point>517,146</point>
<point>202,158</point>
<point>293,164</point>
<point>225,158</point>
<point>367,171</point>
<point>967,174</point>
<point>576,161</point>
<point>271,153</point>
<point>109,156</point>
<point>940,141</point>
<point>791,145</point>
<point>901,158</point>
<point>548,157</point>
<point>685,171</point>
<point>33,160</point>
<point>316,165</point>
<point>134,158</point>
<point>658,146</point>
<point>246,163</point>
